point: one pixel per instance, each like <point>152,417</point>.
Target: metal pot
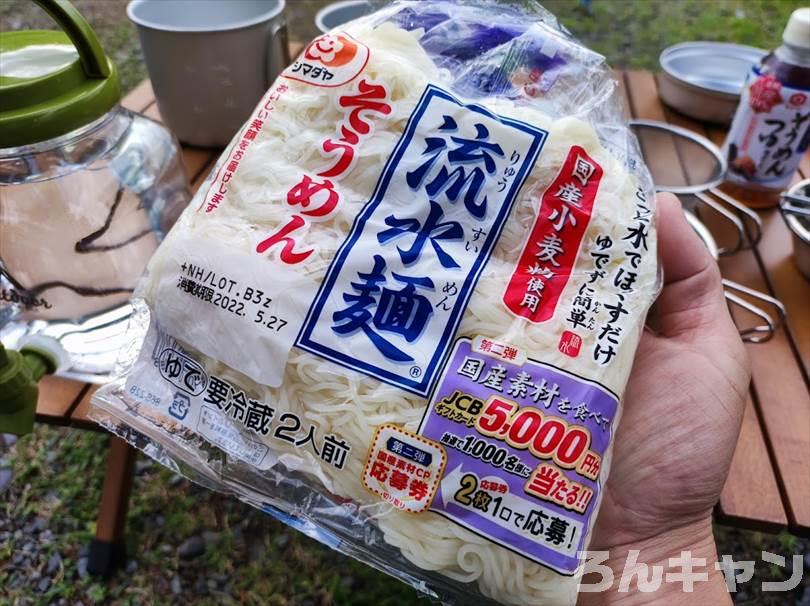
<point>704,189</point>
<point>339,13</point>
<point>799,225</point>
<point>704,79</point>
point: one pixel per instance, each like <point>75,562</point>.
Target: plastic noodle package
<point>401,312</point>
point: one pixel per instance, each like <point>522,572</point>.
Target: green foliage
<point>97,593</point>
<point>632,33</point>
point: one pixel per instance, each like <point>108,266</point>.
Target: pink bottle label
<point>770,132</point>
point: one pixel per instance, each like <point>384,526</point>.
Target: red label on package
<point>330,60</point>
<point>570,343</point>
<point>551,251</point>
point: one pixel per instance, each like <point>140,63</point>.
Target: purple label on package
<point>525,443</point>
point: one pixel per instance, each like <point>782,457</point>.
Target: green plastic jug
<point>88,188</point>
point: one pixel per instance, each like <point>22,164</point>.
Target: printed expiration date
<point>228,295</point>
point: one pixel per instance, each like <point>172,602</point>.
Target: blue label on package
<point>397,289</point>
<point>409,451</point>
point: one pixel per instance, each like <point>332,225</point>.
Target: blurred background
<point>630,33</point>
<point>226,552</point>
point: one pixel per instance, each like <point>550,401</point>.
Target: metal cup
<point>210,62</point>
<point>336,14</point>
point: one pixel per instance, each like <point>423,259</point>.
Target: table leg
<point>108,549</point>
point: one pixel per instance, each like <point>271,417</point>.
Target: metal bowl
<point>704,79</point>
<point>800,227</point>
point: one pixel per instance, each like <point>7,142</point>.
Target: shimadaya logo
<point>329,60</point>
<point>331,50</point>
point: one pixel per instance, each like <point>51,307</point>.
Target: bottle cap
<point>49,349</point>
<point>797,32</point>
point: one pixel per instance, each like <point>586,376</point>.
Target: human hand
<point>682,412</point>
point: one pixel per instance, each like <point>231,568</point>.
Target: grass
<point>252,558</point>
<point>632,33</point>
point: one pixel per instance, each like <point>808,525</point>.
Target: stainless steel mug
<point>210,61</point>
<point>336,14</point>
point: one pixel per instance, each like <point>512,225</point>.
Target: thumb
<point>692,297</point>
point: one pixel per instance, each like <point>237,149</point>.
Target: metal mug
<point>338,13</point>
<point>210,62</point>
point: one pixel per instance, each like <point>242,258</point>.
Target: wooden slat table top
<point>780,402</point>
<point>78,416</point>
<point>747,499</point>
<point>57,397</point>
<point>768,487</point>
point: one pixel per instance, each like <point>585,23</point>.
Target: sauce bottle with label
<point>771,129</point>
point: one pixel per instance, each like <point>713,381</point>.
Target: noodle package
<point>401,312</point>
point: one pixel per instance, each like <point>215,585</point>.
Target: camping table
<point>768,487</point>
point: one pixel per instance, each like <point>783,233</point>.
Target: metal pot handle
<point>729,216</point>
<point>278,42</point>
<point>762,332</point>
<point>795,204</point>
<point>754,334</point>
<point>747,213</point>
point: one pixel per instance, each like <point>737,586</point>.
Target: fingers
<point>692,297</point>
<point>681,251</point>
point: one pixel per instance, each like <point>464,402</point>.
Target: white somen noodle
<point>339,401</point>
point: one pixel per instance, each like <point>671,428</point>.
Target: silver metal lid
<point>713,66</point>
